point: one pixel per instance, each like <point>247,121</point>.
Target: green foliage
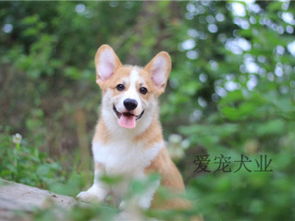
<point>250,196</point>
<point>26,164</point>
<point>231,92</point>
<point>23,163</point>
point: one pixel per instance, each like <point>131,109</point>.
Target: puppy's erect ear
<point>106,62</point>
<point>159,68</point>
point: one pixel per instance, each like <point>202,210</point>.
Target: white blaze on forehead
<point>132,92</point>
<point>133,79</point>
<point>134,76</point>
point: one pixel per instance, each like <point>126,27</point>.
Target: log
<point>15,197</point>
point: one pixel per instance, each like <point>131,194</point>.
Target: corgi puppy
<point>128,140</point>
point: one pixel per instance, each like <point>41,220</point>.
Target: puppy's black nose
<point>130,104</point>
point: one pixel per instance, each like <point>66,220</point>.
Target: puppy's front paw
<point>93,194</point>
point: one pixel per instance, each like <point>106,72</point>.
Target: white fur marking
<point>122,156</point>
<point>126,158</point>
<point>145,200</point>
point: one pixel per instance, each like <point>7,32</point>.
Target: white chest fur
<point>124,157</point>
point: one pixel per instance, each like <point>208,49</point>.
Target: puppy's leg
<point>97,192</point>
<point>143,200</point>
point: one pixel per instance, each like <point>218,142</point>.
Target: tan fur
<point>162,164</point>
<point>151,135</point>
<point>170,178</point>
<point>137,150</point>
<point>101,132</point>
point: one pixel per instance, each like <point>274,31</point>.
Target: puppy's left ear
<point>159,68</point>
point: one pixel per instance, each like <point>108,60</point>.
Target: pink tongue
<point>127,121</point>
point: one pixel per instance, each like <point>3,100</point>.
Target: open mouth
<point>127,119</point>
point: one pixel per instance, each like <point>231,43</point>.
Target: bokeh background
<point>231,92</point>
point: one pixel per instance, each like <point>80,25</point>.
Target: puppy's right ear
<point>106,63</point>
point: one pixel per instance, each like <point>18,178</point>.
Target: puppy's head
<point>130,92</point>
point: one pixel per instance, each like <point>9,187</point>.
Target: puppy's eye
<point>143,90</point>
<point>120,87</point>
